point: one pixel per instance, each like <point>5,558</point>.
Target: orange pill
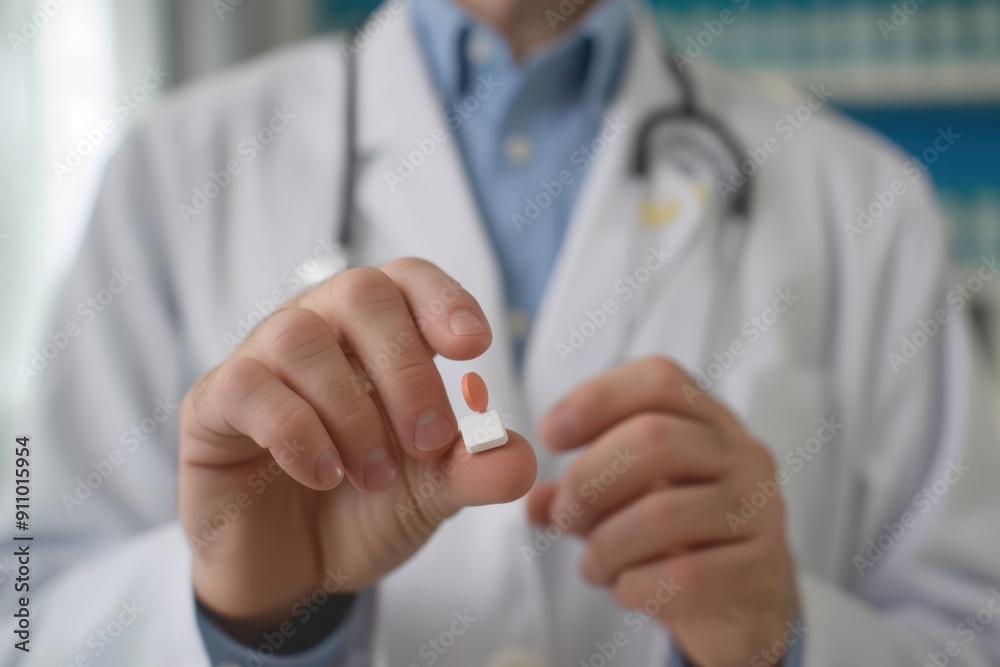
<point>477,397</point>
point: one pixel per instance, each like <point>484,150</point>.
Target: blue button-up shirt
<point>526,146</point>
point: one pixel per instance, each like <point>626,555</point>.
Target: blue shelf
<point>971,163</point>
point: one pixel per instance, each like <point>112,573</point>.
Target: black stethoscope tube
<point>686,111</point>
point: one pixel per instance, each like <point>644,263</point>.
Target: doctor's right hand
<point>295,462</point>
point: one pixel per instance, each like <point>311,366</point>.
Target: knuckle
<point>199,391</point>
<point>664,374</point>
<point>404,265</point>
<point>351,402</point>
<point>360,416</point>
<point>648,432</point>
<point>344,390</point>
<point>286,421</point>
<point>239,377</point>
<point>298,333</point>
<point>416,374</point>
<point>659,510</point>
<point>365,288</point>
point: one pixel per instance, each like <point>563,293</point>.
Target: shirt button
<point>518,323</point>
<point>518,149</point>
<point>478,50</point>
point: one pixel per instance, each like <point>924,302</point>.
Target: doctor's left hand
<point>654,493</point>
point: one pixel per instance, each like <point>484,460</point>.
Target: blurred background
<point>75,73</point>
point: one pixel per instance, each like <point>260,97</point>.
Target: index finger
<point>394,320</point>
<point>446,315</point>
<point>653,384</point>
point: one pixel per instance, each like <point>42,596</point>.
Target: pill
<point>477,397</point>
<point>482,431</point>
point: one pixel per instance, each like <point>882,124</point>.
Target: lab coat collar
<point>599,239</point>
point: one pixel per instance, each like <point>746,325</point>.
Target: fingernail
<point>433,431</point>
<point>329,469</point>
<point>466,323</point>
<point>378,470</point>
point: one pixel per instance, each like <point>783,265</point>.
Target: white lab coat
<point>825,358</point>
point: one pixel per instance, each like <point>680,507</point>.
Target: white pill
<point>482,431</point>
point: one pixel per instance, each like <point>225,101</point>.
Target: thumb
<point>499,475</point>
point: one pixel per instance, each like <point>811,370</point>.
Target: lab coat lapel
<point>414,198</point>
<point>572,340</point>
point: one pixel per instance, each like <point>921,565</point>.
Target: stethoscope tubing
<point>736,209</point>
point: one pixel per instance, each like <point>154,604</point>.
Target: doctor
<point>771,451</point>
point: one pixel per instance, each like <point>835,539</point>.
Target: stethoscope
<point>736,207</point>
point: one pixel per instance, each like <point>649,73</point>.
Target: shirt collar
<point>444,31</point>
